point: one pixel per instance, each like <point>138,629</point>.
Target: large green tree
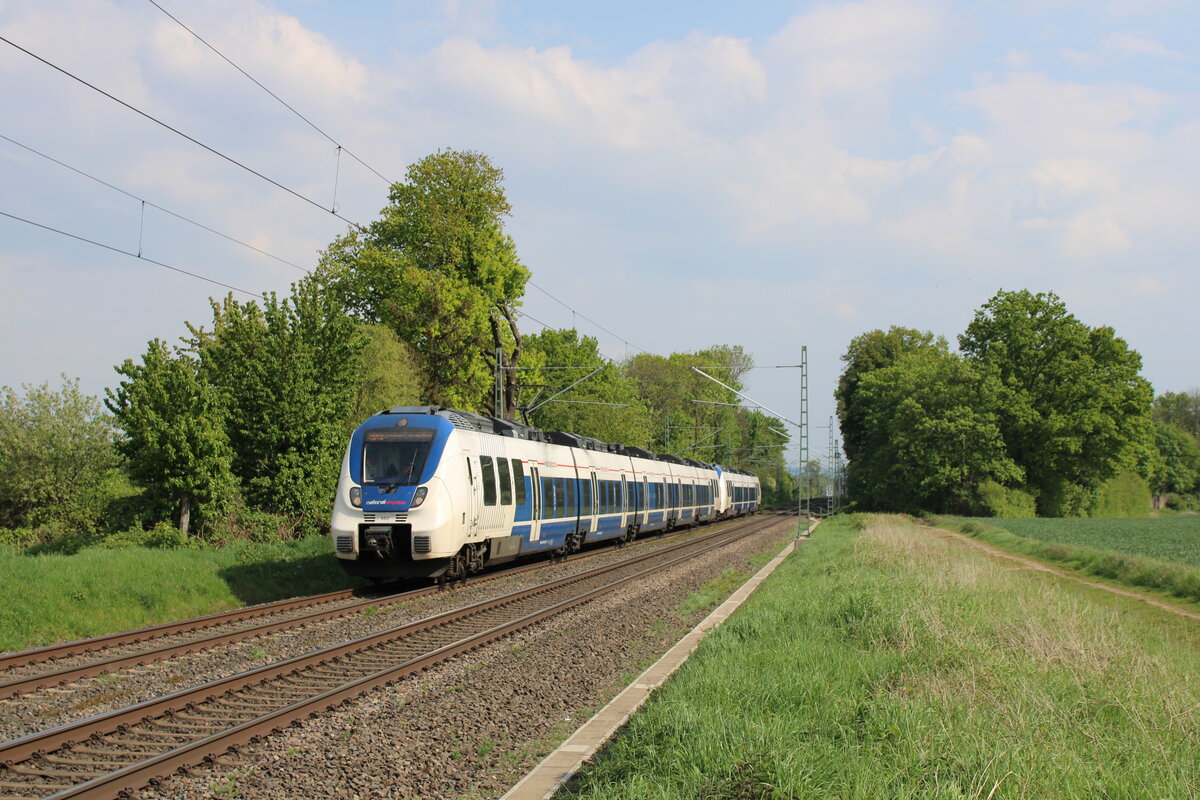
<point>439,269</point>
<point>867,352</point>
<point>175,444</point>
<point>1071,401</point>
<point>1181,460</point>
<point>695,417</point>
<point>56,453</point>
<point>288,373</point>
<point>605,405</point>
<point>930,436</point>
<point>1181,409</point>
<point>390,374</point>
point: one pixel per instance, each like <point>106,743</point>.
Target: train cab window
<point>518,471</point>
<point>505,482</point>
<point>489,480</point>
<point>395,456</point>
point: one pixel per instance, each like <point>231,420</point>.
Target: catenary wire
<point>260,175</point>
<point>282,102</point>
<point>180,133</point>
<point>589,319</point>
<point>128,253</point>
<point>177,215</point>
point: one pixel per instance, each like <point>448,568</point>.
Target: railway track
<point>34,669</point>
<point>129,748</point>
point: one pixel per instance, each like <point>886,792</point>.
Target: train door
<point>625,504</point>
<point>594,522</point>
<point>535,525</point>
<point>470,517</point>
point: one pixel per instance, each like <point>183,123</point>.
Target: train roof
<point>467,420</point>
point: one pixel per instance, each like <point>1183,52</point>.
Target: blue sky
<point>685,174</point>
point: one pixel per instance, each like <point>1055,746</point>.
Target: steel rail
<point>65,649</point>
<point>12,661</point>
<point>25,748</point>
<point>135,776</point>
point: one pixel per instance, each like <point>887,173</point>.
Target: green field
<point>892,662</point>
<point>1165,538</point>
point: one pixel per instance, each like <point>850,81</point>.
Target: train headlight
<point>356,496</point>
<point>418,497</point>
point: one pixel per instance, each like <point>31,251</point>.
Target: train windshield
<point>395,456</point>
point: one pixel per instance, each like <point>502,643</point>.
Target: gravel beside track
<point>472,727</point>
<point>54,706</point>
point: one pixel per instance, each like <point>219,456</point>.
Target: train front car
<point>397,513</point>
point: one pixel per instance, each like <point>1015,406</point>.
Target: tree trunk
<point>185,514</point>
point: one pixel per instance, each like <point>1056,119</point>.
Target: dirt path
<point>1067,574</point>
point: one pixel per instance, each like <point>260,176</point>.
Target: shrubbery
<point>1000,501</point>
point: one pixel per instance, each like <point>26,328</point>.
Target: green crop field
<point>1175,539</point>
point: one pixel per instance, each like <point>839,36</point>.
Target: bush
<point>57,458</point>
<point>163,536</point>
<point>1127,495</point>
<point>18,538</point>
<point>243,523</point>
<point>996,500</point>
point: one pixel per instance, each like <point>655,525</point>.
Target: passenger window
<point>585,497</point>
<point>518,471</point>
<point>505,482</point>
<point>571,497</point>
<point>489,480</point>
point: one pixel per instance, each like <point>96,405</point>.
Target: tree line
<point>238,429</point>
<point>1036,413</point>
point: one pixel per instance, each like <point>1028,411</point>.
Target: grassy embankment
<point>1162,555</point>
<point>50,598</point>
<point>893,663</point>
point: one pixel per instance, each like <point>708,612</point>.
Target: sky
<point>774,175</point>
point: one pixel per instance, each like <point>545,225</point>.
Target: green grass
<point>1171,578</point>
<point>50,598</point>
<point>892,663</point>
<point>1174,539</point>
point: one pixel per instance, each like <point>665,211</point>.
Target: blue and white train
<point>433,492</point>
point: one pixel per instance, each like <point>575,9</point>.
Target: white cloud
<point>1094,233</point>
<point>1120,46</point>
<point>1144,285</point>
<point>838,147</point>
<point>1035,114</point>
<point>837,48</point>
<point>1018,59</point>
<point>290,60</point>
